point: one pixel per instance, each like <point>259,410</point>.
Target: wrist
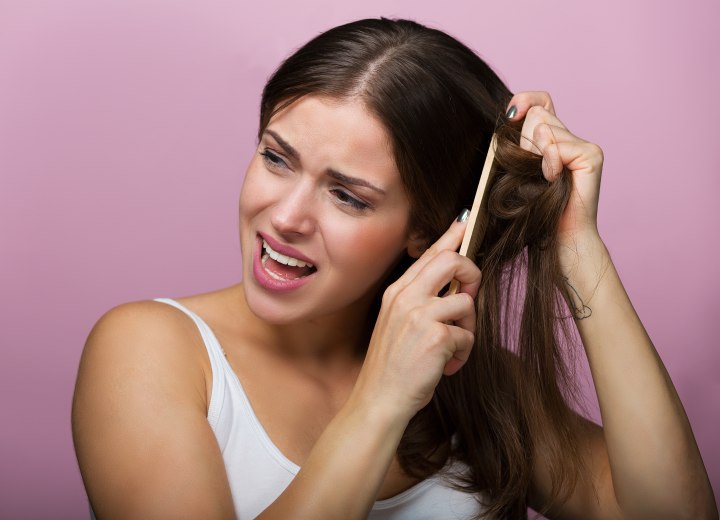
<point>584,261</point>
<point>582,254</point>
<point>376,412</point>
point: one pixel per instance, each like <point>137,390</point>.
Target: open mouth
<point>282,267</point>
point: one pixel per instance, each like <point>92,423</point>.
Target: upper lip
<point>285,250</point>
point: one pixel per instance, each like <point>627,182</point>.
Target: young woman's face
<point>322,189</point>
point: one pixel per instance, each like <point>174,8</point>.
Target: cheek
<point>254,194</point>
<point>247,187</point>
<point>253,199</point>
<point>369,247</point>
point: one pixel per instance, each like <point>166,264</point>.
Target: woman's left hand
<point>544,134</point>
<point>644,462</point>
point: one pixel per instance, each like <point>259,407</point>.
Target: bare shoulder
<point>153,341</point>
<point>139,417</point>
<point>147,317</point>
<point>128,329</point>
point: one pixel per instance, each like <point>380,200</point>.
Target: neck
<point>321,343</point>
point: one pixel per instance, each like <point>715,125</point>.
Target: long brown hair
<point>440,104</point>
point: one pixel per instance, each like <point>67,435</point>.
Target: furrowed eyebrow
<point>353,181</point>
<point>294,154</point>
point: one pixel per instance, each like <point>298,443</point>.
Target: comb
<point>478,219</point>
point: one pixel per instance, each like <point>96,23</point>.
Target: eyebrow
<point>292,152</point>
<point>346,179</point>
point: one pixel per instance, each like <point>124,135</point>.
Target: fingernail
<point>463,216</point>
<point>512,112</point>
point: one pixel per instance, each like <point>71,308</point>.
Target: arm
<point>411,347</point>
<point>346,467</point>
<point>644,461</point>
<point>143,443</point>
<point>654,462</point>
<point>145,447</point>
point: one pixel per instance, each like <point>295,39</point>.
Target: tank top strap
<point>216,355</point>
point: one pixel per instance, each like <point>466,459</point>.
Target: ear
<point>417,244</point>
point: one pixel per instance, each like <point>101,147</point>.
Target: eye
<point>272,159</point>
<point>345,198</point>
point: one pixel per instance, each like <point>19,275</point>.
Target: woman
<point>341,353</point>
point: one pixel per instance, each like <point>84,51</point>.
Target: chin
<point>271,311</point>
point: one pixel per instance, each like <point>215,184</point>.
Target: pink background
<point>126,126</point>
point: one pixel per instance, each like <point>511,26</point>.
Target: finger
<point>572,151</point>
<point>442,269</point>
<point>448,241</point>
<point>535,116</point>
<point>458,309</point>
<point>546,141</point>
<point>470,288</point>
<point>581,156</point>
<point>463,341</point>
<point>522,101</point>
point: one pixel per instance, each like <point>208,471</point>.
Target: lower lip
<point>268,282</point>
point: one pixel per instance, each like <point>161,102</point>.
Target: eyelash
<point>275,161</point>
<point>345,198</point>
<point>271,159</point>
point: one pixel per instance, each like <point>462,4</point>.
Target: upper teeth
<point>287,260</point>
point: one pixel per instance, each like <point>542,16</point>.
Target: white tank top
<point>258,472</point>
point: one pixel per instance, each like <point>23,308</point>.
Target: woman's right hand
<point>419,336</point>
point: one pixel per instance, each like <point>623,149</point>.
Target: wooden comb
<point>478,219</point>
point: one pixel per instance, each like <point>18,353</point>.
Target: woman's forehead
<point>345,132</point>
<point>349,119</point>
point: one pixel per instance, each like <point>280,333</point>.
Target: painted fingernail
<point>463,216</point>
<point>512,112</point>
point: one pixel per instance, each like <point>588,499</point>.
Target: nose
<point>293,214</point>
